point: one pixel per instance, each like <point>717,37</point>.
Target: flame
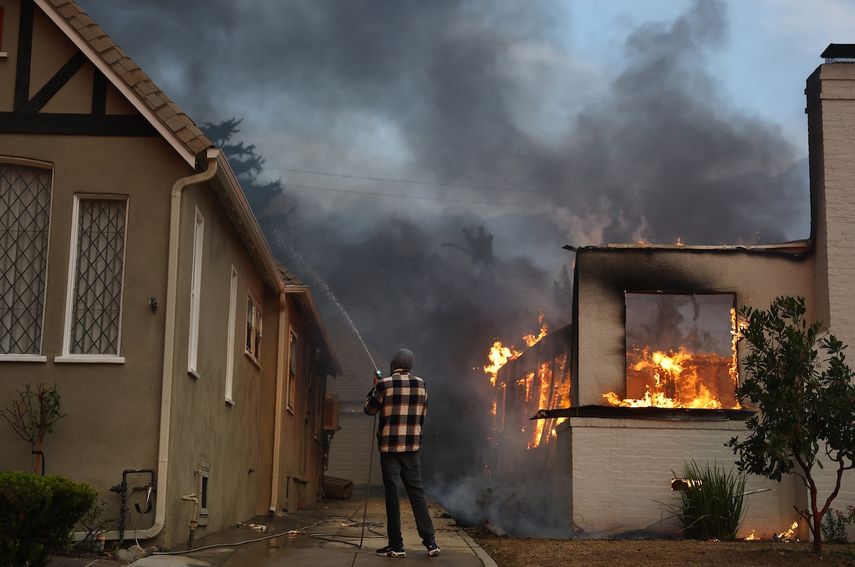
<point>752,536</point>
<point>679,379</point>
<point>788,535</point>
<point>679,241</point>
<point>530,339</point>
<point>551,394</point>
<point>499,355</point>
<point>533,390</point>
<point>544,378</point>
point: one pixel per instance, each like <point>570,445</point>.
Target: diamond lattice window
<point>25,195</point>
<point>99,267</point>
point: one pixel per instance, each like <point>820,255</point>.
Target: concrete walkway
<point>332,532</point>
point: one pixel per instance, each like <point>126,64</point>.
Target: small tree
<point>32,416</point>
<point>806,403</point>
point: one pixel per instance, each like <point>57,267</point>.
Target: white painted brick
<point>622,468</point>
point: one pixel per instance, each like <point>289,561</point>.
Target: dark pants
<point>404,466</point>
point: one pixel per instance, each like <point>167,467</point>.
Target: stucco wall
<point>206,432</point>
<point>302,449</point>
<point>622,468</point>
<point>605,275</point>
<point>11,10</point>
<point>112,409</point>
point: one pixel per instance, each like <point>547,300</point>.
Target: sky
<point>435,156</point>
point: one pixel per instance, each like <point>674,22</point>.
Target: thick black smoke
<point>485,100</point>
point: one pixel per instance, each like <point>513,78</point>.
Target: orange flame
<point>752,536</point>
<point>681,378</point>
<point>530,339</point>
<point>535,389</point>
<point>789,535</point>
<point>499,355</point>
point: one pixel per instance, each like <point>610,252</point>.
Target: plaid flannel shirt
<point>401,401</point>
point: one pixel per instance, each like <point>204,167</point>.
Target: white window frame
<point>230,338</point>
<point>290,395</point>
<point>256,330</point>
<point>24,162</point>
<point>195,294</point>
<point>67,356</point>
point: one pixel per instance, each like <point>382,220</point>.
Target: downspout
<point>277,419</point>
<point>168,340</point>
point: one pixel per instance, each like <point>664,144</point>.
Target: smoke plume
<point>501,126</point>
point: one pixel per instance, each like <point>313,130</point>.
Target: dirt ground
<point>511,552</point>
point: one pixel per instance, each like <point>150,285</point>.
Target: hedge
<point>37,514</point>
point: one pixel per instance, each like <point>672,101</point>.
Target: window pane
<point>96,313</point>
<point>25,197</point>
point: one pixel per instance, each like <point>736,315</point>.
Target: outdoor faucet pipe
<point>194,521</point>
<point>162,475</point>
<point>122,490</point>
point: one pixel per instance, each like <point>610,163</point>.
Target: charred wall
<point>604,275</point>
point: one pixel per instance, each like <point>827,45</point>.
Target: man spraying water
<point>400,400</point>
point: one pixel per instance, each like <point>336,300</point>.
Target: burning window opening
<point>680,351</point>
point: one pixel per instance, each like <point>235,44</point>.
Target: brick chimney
<point>831,140</point>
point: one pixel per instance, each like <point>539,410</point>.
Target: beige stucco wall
<point>206,432</point>
<point>10,46</point>
<point>113,409</point>
<point>300,470</point>
<point>605,275</point>
<point>831,135</point>
<point>621,471</point>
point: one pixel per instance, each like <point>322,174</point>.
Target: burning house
<point>646,381</point>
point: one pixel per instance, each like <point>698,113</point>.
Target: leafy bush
<point>711,505</point>
<point>38,513</point>
<point>799,380</point>
<point>835,524</point>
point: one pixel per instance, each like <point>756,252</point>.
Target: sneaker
<point>433,549</point>
<point>391,551</point>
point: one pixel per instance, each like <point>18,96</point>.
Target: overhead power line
<point>404,181</point>
<point>400,196</point>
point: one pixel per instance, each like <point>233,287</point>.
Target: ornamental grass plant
<point>711,503</point>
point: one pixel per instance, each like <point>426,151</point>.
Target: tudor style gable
<point>49,86</point>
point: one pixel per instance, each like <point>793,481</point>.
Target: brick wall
<point>831,135</point>
<point>621,471</point>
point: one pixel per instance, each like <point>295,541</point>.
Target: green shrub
<point>711,505</point>
<point>834,526</point>
<point>36,514</point>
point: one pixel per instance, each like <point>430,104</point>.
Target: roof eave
<point>793,247</point>
<point>246,224</point>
